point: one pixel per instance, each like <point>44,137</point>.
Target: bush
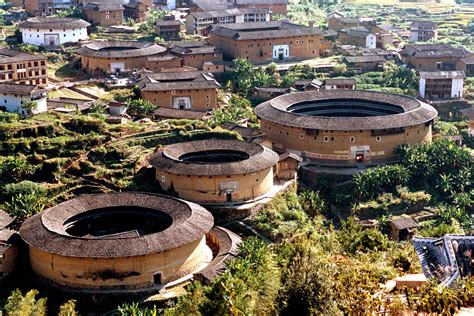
<point>15,168</point>
<point>23,187</point>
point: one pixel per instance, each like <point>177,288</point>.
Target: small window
<point>163,178</point>
<point>301,136</point>
<point>352,139</point>
<point>326,139</point>
<point>378,138</point>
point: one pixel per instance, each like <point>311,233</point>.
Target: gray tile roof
<point>54,23</point>
<point>414,111</point>
<point>120,49</point>
<point>226,13</point>
<point>434,51</point>
<point>445,258</point>
<point>259,158</point>
<point>263,30</point>
<point>20,89</point>
<point>8,56</point>
<point>47,230</point>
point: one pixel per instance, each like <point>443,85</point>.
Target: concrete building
<point>434,57</point>
<point>195,53</point>
<point>358,36</point>
<point>117,56</point>
<point>423,31</point>
<point>103,14</point>
<point>186,91</point>
<point>340,84</point>
<point>215,171</point>
<point>51,32</point>
<point>19,67</point>
<point>14,96</point>
<point>441,84</point>
<point>125,242</point>
<point>48,7</point>
<point>345,127</point>
<point>200,23</point>
<point>263,42</point>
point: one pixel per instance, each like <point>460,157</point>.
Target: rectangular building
<point>19,67</point>
<point>190,90</point>
<point>434,57</point>
<point>13,97</point>
<point>200,23</point>
<point>48,7</point>
<point>195,53</point>
<point>358,36</point>
<point>423,31</point>
<point>441,84</point>
<point>169,29</point>
<point>103,14</point>
<point>262,42</point>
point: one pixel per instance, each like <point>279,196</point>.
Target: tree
<point>340,69</point>
<point>238,109</point>
<point>23,205</point>
<point>153,16</point>
<point>19,305</point>
<point>68,309</point>
<point>401,77</point>
<point>30,107</point>
<point>140,108</point>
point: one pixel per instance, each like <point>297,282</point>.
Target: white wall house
<point>371,41</point>
<point>441,84</point>
<point>52,31</point>
<point>13,96</point>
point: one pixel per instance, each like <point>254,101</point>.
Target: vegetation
<point>140,108</point>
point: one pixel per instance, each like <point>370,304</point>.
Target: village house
<point>200,23</point>
<point>423,31</point>
<point>340,83</point>
<point>359,36</point>
<point>337,22</point>
<point>19,67</point>
<point>384,36</point>
<point>402,228</point>
<point>52,31</point>
<point>262,42</point>
<point>469,113</point>
<point>14,97</point>
<point>103,14</point>
<point>365,62</point>
<point>137,9</point>
<point>441,84</point>
<point>195,53</point>
<point>48,7</point>
<point>168,29</point>
<point>186,91</point>
<point>434,57</point>
<point>272,6</point>
<point>466,64</point>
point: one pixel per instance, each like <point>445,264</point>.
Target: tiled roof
<point>469,112</point>
<point>434,51</point>
<point>259,158</point>
<point>47,231</point>
<point>404,223</point>
<point>445,258</point>
<point>414,111</point>
<point>364,59</point>
<point>263,30</point>
<point>5,219</point>
<point>120,49</point>
<point>103,6</point>
<point>164,81</point>
<point>54,23</point>
<point>8,56</point>
<point>339,81</point>
<point>20,89</point>
<point>423,24</point>
<point>192,47</point>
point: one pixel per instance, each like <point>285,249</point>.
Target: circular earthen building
<point>124,242</point>
<point>117,56</point>
<point>345,126</point>
<point>215,171</point>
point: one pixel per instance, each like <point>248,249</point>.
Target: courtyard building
<point>263,42</point>
<point>117,56</point>
<point>215,171</point>
<point>125,243</point>
<point>345,127</point>
<point>196,53</point>
<point>52,32</point>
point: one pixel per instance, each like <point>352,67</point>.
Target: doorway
<point>228,197</point>
<point>157,278</point>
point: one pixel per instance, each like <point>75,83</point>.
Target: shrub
<point>23,187</point>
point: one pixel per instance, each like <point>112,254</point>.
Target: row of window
<point>22,66</point>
